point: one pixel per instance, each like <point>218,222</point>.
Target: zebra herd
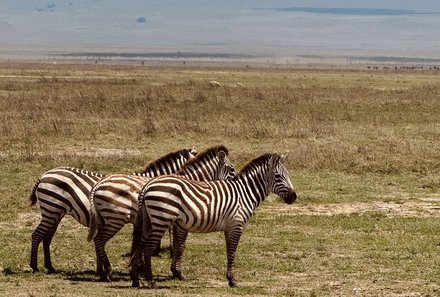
<point>182,192</point>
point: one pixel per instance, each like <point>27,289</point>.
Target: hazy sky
<point>403,26</point>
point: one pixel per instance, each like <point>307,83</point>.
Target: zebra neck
<point>157,169</point>
<point>168,164</point>
<point>200,172</point>
<point>253,190</point>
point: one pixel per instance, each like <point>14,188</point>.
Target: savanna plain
<point>364,157</point>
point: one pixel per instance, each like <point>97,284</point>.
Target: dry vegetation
<point>364,156</point>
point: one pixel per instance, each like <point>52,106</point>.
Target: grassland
<point>364,158</point>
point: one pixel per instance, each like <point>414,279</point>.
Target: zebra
<point>114,199</point>
<point>202,207</point>
<point>65,191</point>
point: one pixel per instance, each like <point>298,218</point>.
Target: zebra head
<point>281,184</point>
<point>227,169</point>
<point>186,155</point>
<point>189,153</point>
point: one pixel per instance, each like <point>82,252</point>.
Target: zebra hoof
<point>135,284</point>
<point>105,278</point>
<point>179,275</point>
<point>35,269</point>
<point>51,270</point>
<point>233,284</point>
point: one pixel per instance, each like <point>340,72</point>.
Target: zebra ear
<point>283,158</point>
<point>187,154</point>
<point>193,151</point>
<point>222,155</point>
<point>273,160</point>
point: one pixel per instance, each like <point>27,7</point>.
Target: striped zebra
<point>65,191</point>
<point>202,207</point>
<point>114,199</point>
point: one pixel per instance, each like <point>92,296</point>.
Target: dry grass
<point>355,139</point>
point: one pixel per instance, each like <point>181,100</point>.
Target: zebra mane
<point>258,161</point>
<point>190,164</point>
<point>170,157</point>
<point>83,171</point>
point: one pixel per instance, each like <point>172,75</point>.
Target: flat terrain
<point>363,155</point>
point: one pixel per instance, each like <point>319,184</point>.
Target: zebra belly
<point>199,229</point>
<point>192,215</point>
<point>202,222</point>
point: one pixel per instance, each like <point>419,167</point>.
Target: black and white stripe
<point>65,191</point>
<point>224,205</point>
<point>115,199</point>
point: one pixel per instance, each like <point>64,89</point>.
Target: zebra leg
<point>179,239</point>
<point>46,246</point>
<point>99,248</point>
<point>157,250</point>
<point>145,265</point>
<point>170,231</point>
<point>142,263</point>
<point>40,233</point>
<point>141,260</point>
<point>137,260</point>
<point>103,265</point>
<point>37,236</point>
<point>232,236</point>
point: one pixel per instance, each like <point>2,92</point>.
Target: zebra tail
<point>93,225</point>
<point>95,217</point>
<point>142,223</point>
<point>33,197</point>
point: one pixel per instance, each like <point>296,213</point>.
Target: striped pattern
<point>224,205</point>
<point>115,199</point>
<point>65,191</point>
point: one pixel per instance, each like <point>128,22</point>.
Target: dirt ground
<point>425,207</point>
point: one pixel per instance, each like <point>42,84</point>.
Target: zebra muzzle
<point>290,197</point>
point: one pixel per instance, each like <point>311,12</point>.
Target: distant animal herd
<point>183,191</point>
<point>413,67</point>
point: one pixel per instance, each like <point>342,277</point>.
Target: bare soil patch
<point>429,207</point>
